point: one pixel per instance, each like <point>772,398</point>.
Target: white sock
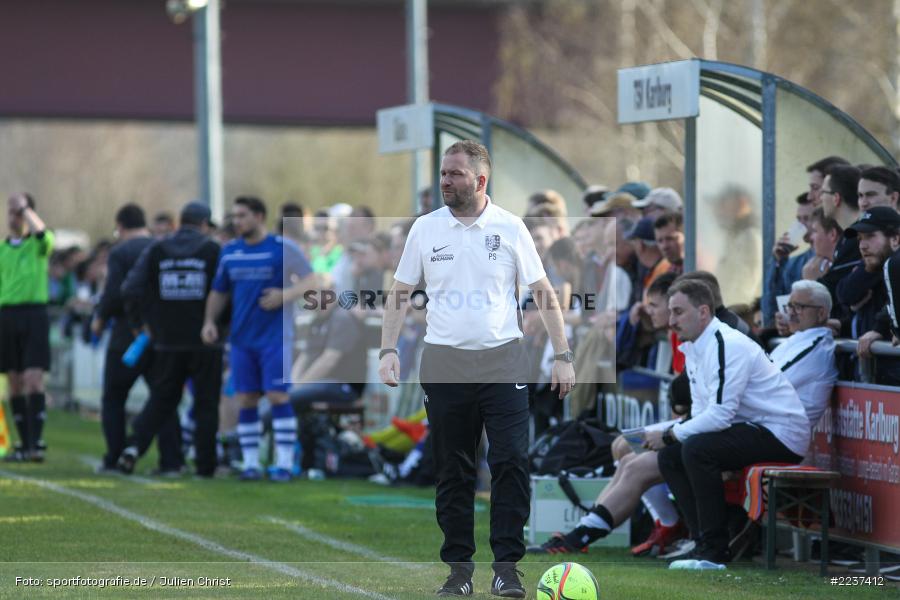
<point>284,456</point>
<point>249,432</point>
<point>656,499</point>
<point>594,521</point>
<point>284,433</point>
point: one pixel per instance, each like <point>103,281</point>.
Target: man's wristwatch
<point>567,356</point>
<point>386,351</point>
<point>668,437</point>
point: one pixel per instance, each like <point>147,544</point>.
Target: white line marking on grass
<point>340,545</point>
<point>93,463</point>
<point>204,543</point>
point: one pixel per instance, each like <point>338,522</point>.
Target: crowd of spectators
<point>834,274</point>
<point>602,268</point>
<point>608,262</point>
<point>845,234</point>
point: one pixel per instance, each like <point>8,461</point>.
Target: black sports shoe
<point>506,584</point>
<point>703,551</point>
<point>576,540</point>
<point>459,583</point>
<point>38,453</point>
<point>17,454</point>
<point>127,460</point>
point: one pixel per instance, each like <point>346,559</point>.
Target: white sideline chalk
<point>202,542</point>
<point>340,545</point>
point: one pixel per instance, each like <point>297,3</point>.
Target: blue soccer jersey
<point>245,271</point>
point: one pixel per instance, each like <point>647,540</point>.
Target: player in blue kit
<point>262,274</point>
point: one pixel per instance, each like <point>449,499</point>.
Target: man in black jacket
<point>118,378</point>
<point>168,287</point>
<point>878,231</point>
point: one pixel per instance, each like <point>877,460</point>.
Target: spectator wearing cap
<point>643,240</point>
<point>668,229</point>
<point>878,231</point>
<point>787,269</point>
<point>638,189</point>
<point>659,201</point>
<point>618,205</point>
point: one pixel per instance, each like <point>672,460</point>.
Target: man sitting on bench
<point>807,357</point>
<point>744,411</point>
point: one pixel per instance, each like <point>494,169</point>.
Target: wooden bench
<point>791,488</point>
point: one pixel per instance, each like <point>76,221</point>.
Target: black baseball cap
<point>642,230</point>
<point>877,218</point>
<point>196,213</point>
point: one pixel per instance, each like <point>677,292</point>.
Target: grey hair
<point>819,293</point>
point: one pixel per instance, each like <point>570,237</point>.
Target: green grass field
<point>307,539</point>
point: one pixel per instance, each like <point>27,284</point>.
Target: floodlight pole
<point>417,81</point>
<point>208,106</point>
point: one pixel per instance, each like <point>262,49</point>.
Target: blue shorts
<point>260,369</point>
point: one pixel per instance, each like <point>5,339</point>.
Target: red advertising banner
<point>859,436</point>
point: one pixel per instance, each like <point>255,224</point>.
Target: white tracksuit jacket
<point>807,360</point>
<point>733,381</point>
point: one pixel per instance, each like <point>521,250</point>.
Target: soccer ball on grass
<point>568,581</point>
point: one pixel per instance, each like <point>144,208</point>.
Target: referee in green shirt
<point>24,324</point>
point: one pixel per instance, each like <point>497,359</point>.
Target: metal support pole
<point>417,82</point>
<point>690,194</point>
<point>873,561</point>
<point>769,92</point>
<point>771,523</point>
<point>208,107</point>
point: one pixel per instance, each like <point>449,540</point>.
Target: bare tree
<point>559,60</point>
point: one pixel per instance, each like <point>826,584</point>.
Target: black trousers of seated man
<point>118,379</point>
<point>468,391</point>
<point>693,471</point>
<point>170,372</point>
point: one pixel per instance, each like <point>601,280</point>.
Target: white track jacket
<point>807,360</point>
<point>733,381</point>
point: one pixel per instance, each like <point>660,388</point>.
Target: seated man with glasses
<point>807,357</point>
